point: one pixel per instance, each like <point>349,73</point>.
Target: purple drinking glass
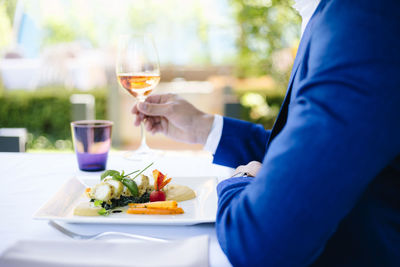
<point>92,141</point>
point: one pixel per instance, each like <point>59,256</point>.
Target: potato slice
<point>86,209</point>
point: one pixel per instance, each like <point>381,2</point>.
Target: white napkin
<point>188,252</point>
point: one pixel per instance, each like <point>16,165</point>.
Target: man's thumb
<point>151,109</point>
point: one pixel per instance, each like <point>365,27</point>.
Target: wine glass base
<point>142,154</point>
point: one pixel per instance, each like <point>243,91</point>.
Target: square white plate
<point>201,209</point>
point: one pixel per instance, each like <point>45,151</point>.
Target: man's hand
<point>175,117</point>
<point>251,168</point>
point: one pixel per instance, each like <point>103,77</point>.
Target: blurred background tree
<point>266,26</point>
<point>267,44</point>
<point>197,40</point>
<point>57,32</point>
<point>7,9</point>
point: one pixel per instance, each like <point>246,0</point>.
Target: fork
<point>74,235</point>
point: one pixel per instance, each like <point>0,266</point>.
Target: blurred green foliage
<point>7,9</point>
<point>261,107</point>
<point>46,114</point>
<point>10,5</point>
<point>57,32</point>
<point>265,27</point>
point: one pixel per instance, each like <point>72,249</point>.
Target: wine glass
<point>138,71</point>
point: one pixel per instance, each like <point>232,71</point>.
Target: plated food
<point>118,192</point>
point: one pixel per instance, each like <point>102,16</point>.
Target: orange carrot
<point>165,183</point>
<point>154,211</point>
<point>87,192</point>
<point>170,204</point>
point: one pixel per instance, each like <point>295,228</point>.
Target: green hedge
<point>45,113</point>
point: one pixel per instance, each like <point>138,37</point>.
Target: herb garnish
<point>125,179</point>
<point>98,203</point>
<point>103,211</point>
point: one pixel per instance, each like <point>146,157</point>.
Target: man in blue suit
<point>328,190</point>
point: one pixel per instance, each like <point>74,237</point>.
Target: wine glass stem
<point>143,145</point>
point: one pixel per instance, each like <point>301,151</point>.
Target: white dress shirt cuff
<point>215,134</point>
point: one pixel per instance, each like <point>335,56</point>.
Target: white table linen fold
<point>189,252</point>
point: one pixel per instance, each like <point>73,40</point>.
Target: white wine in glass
<point>138,71</point>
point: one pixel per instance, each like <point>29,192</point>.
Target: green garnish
<point>148,166</point>
<point>97,203</point>
<point>104,212</point>
<point>108,173</point>
<point>131,185</point>
<point>125,179</point>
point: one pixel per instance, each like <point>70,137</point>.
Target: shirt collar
<point>305,8</point>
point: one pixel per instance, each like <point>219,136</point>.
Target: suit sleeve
<point>240,143</point>
<point>342,130</point>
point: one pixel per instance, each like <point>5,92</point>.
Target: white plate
<point>201,209</point>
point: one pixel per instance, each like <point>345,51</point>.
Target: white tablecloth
<point>28,180</point>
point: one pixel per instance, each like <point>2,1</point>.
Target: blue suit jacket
<point>328,192</point>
